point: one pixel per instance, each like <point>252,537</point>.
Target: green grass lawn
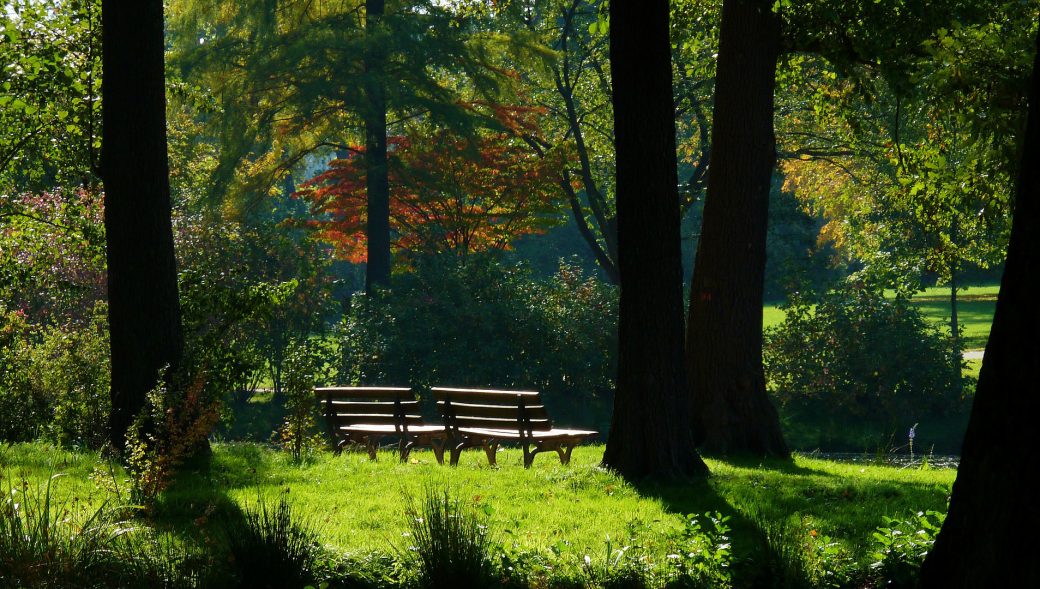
<point>975,311</point>
<point>359,505</point>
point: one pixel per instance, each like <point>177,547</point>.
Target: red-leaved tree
<point>448,193</point>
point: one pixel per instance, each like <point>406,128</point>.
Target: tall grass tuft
<point>43,543</point>
<point>271,548</point>
<point>451,546</point>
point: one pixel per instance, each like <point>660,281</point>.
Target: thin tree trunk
<point>993,503</point>
<point>376,179</point>
<point>144,311</point>
<point>650,434</point>
<point>730,408</point>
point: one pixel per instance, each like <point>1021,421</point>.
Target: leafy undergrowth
<point>550,517</point>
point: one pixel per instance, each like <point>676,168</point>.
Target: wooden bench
<point>366,415</point>
<point>485,418</point>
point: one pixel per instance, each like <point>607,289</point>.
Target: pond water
<point>892,459</point>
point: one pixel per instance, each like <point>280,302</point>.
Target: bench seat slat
<point>537,435</point>
<point>390,429</point>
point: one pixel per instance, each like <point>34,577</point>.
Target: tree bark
<point>650,434</point>
<point>980,544</point>
<point>144,311</point>
<point>377,271</point>
<point>730,408</point>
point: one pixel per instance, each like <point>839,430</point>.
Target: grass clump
<point>272,548</point>
<point>451,546</point>
<point>42,544</point>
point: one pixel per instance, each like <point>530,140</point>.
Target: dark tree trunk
<point>992,504</point>
<point>650,434</point>
<point>377,272</point>
<point>730,408</point>
<point>144,312</point>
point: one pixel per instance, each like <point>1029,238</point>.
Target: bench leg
<point>491,448</point>
<point>404,448</point>
<point>529,454</point>
<point>438,449</point>
<point>371,443</point>
<point>456,451</point>
<point>564,450</point>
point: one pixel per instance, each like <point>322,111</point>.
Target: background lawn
<point>975,306</point>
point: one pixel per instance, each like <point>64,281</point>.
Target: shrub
<point>297,431</point>
<point>55,380</point>
<point>271,548</point>
<point>900,547</point>
<point>451,547</point>
<point>25,409</point>
<point>855,355</point>
<point>71,367</point>
<point>172,426</point>
<point>480,324</point>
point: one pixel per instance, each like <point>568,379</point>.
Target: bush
<point>173,425</point>
<point>25,409</point>
<point>55,380</point>
<point>479,324</point>
<point>854,355</point>
<point>900,547</point>
<point>297,434</point>
<point>71,367</point>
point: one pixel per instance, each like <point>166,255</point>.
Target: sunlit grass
<point>360,505</point>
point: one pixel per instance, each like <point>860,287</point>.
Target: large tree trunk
<point>377,272</point>
<point>980,544</point>
<point>649,434</point>
<point>730,408</point>
<point>143,312</point>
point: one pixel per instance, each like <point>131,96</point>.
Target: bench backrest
<point>345,406</point>
<point>521,411</point>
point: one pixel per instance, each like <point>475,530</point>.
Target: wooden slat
<point>555,434</point>
<point>384,393</point>
<point>505,424</point>
<point>375,419</point>
<point>372,407</point>
<point>510,411</point>
<point>486,396</point>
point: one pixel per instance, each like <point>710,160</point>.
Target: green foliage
<point>854,354</point>
<point>297,432</point>
<point>49,88</point>
<point>482,325</point>
<point>451,546</point>
<point>901,545</point>
<point>25,408</point>
<point>272,548</point>
<point>54,381</point>
<point>71,368</point>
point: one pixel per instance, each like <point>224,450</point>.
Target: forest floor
<point>359,506</point>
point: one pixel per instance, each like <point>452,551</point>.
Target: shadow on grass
<point>699,496</point>
<point>196,506</point>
